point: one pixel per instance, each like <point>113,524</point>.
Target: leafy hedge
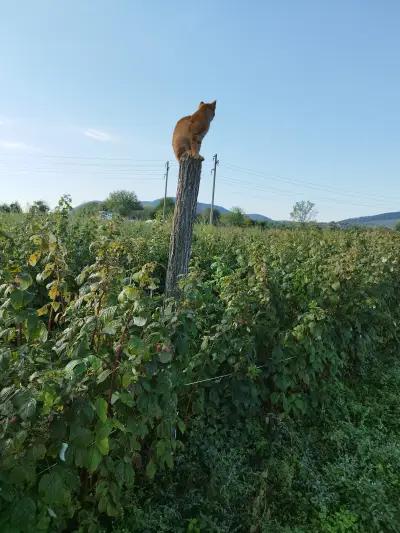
<point>102,379</point>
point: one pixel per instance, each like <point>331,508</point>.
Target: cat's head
<point>209,108</point>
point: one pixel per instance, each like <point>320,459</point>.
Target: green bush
<point>115,399</point>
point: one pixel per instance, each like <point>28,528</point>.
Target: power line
<point>306,184</point>
<point>147,170</point>
<point>281,192</point>
<point>292,194</point>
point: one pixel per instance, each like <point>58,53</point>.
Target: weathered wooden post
<point>182,225</point>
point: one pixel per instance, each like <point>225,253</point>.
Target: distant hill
<point>259,218</point>
<point>88,207</point>
<point>388,220</point>
<point>202,207</point>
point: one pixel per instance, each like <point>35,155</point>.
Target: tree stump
<point>182,226</point>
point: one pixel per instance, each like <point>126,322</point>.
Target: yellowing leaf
<point>54,292</point>
<point>55,305</point>
<point>34,258</point>
<point>43,310</point>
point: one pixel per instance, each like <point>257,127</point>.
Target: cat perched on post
<point>190,131</point>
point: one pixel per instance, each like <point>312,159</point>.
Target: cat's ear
<point>213,104</point>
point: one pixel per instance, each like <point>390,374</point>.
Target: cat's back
<point>182,124</point>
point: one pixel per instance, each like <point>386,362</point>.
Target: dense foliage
<point>235,409</point>
<point>39,207</point>
<point>123,203</point>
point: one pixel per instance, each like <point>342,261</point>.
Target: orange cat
<point>190,131</point>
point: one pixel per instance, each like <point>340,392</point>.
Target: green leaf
<point>17,475</point>
<point>36,330</point>
<point>103,445</point>
<point>109,329</point>
<point>165,357</point>
<point>71,365</point>
<point>117,424</point>
<point>128,293</point>
<point>101,409</point>
<point>80,457</point>
<point>103,375</point>
<point>127,379</point>
<point>151,469</point>
<point>103,429</point>
<point>22,515</point>
<point>80,436</point>
<point>58,429</point>
<point>43,333</point>
<point>38,451</point>
<point>181,425</point>
<point>81,277</point>
<point>127,399</point>
<point>114,397</point>
<point>28,409</point>
<point>282,382</point>
<point>102,506</point>
<point>139,321</point>
<point>161,448</point>
<point>20,299</point>
<point>112,510</point>
<point>52,488</point>
<point>24,280</point>
<point>93,459</point>
<point>136,346</point>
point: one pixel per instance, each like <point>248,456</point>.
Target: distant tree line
<point>39,206</point>
<point>14,207</point>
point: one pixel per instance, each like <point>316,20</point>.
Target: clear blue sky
<point>307,100</point>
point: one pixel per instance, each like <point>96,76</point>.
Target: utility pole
<point>214,171</point>
<point>166,186</point>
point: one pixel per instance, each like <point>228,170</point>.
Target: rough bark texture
<point>182,225</point>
